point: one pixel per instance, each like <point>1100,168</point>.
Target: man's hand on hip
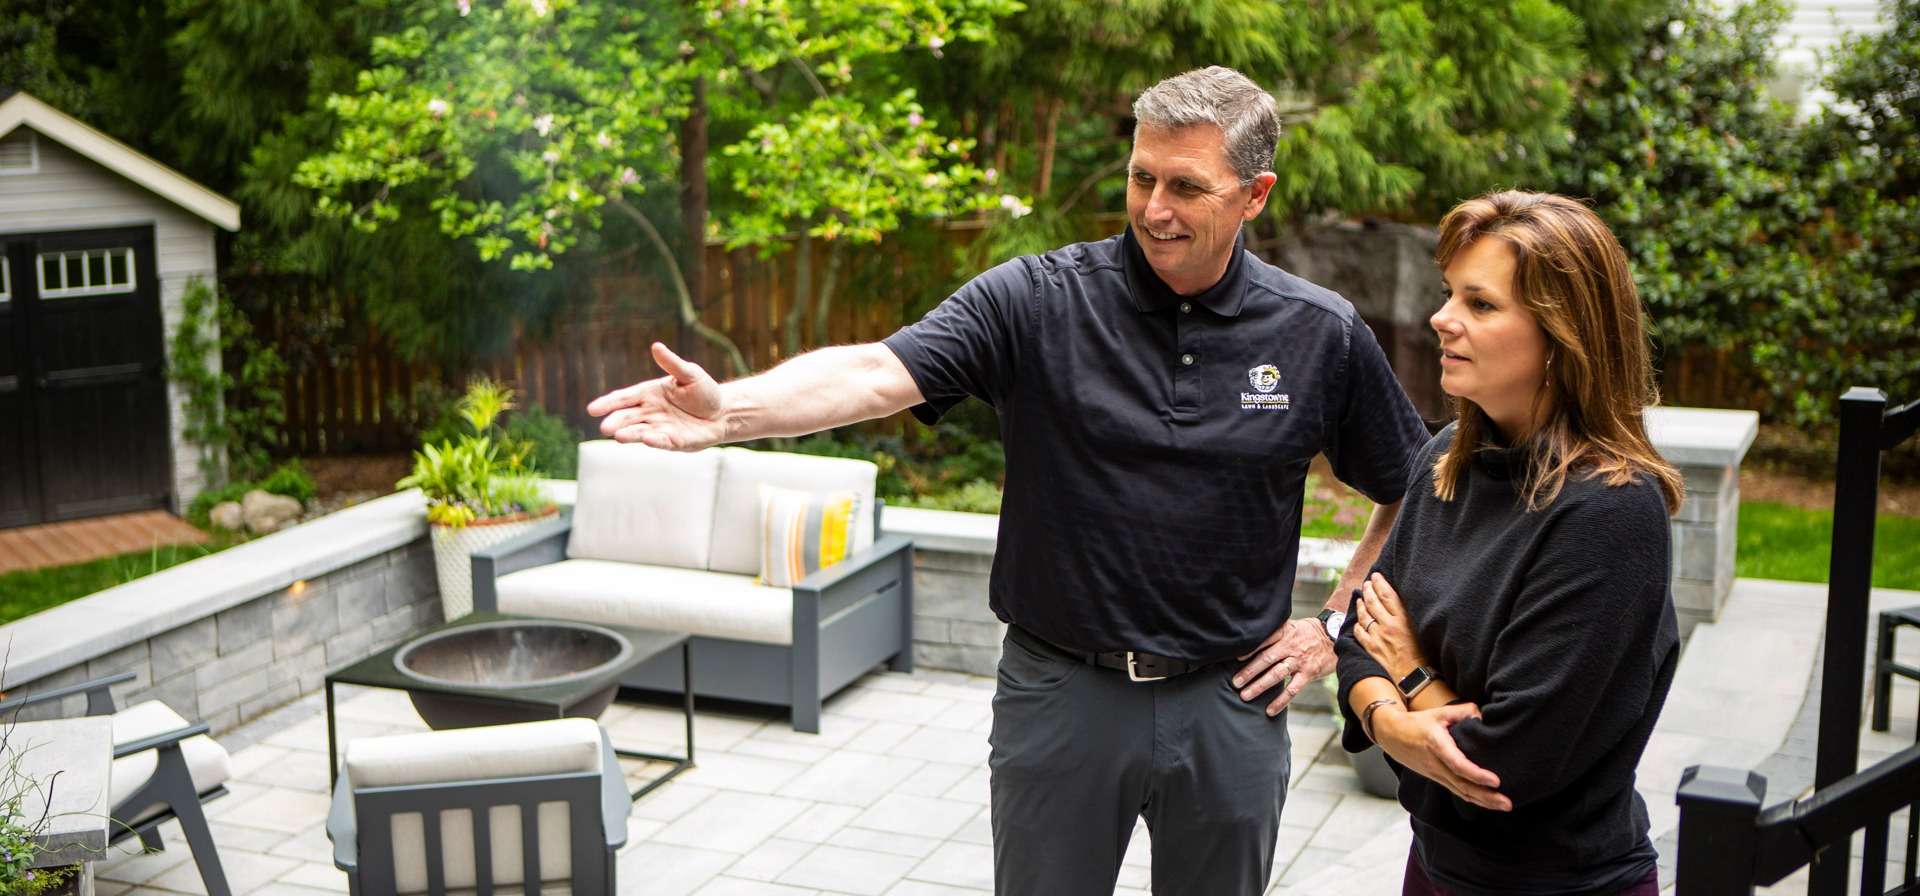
<point>678,412</point>
<point>1299,652</point>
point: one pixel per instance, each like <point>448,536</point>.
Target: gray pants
<point>1079,752</point>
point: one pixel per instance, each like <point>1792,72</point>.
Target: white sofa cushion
<point>643,505</point>
<point>736,515</point>
<point>718,605</point>
<point>552,747</point>
<point>207,761</point>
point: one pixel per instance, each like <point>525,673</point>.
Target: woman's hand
<point>1421,741</point>
<point>1385,630</point>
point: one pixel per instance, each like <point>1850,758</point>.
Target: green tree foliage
<point>1387,106</point>
<point>1790,248</point>
<point>516,125</point>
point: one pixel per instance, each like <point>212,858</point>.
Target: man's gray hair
<point>1221,97</point>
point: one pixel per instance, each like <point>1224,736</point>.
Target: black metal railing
<point>1728,843</point>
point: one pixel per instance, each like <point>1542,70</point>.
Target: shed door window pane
<point>89,272</point>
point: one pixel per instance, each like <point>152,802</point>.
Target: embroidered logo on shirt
<point>1264,379</point>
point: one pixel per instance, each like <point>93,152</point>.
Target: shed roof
<point>23,109</point>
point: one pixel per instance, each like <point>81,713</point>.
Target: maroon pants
<point>1417,884</point>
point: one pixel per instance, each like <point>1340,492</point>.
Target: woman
<point>1515,641</point>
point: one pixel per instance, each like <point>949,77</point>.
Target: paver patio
<point>890,799</point>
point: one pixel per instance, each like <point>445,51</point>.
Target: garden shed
<point>97,245</point>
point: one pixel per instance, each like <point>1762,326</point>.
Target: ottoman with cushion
<point>708,543</point>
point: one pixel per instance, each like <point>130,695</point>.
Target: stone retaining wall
<point>237,664</point>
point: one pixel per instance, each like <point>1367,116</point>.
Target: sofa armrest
<point>539,546</point>
<point>833,589</point>
<point>99,696</point>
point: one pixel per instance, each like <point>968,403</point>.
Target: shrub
<point>553,446</point>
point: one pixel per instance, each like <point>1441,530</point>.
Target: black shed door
<point>83,413</point>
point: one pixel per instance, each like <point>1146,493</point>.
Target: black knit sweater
<point>1558,624</point>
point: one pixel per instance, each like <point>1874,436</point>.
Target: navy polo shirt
<point>1157,445</point>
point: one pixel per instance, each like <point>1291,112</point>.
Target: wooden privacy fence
<point>348,390</point>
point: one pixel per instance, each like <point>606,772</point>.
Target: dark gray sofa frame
<point>597,807</point>
<point>847,619</point>
<point>171,784</point>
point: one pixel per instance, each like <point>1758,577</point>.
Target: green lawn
<point>1782,542</point>
<point>30,591</point>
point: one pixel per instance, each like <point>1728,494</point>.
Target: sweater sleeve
<point>1353,663</point>
<point>1575,667</point>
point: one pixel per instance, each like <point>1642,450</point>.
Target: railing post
<point>1849,581</point>
<point>1719,808</point>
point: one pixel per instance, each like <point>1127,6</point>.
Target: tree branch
<point>688,314</point>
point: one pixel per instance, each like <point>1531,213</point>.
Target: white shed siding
<point>1813,30</point>
<point>72,192</point>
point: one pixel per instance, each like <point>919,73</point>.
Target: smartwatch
<point>1331,621</point>
<point>1417,681</point>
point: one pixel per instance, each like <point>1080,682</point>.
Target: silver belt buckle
<point>1134,675</point>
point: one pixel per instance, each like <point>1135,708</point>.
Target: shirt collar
<point>1150,293</point>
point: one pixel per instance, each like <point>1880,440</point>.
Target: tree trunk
<point>823,305</point>
<point>801,294</point>
<point>1046,149</point>
<point>693,195</point>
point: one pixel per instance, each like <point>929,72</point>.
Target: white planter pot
<point>453,555</point>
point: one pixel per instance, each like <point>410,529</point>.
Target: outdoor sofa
<point>672,541</point>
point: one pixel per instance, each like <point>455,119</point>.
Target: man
<point>1160,395</point>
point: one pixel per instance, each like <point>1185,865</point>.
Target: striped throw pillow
<point>803,532</point>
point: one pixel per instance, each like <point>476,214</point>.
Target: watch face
<point>1414,681</point>
<point>1335,621</point>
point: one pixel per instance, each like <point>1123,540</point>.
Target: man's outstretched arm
<point>687,410</point>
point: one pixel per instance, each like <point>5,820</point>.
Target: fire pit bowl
<point>493,662</point>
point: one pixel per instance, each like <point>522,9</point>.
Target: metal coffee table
<point>545,700</point>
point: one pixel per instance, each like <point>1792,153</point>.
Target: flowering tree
<point>518,124</point>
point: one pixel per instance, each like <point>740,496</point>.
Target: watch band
<point>1417,681</point>
<point>1327,624</point>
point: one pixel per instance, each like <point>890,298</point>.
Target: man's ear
<point>1257,201</point>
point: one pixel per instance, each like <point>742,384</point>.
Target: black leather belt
<point>1138,666</point>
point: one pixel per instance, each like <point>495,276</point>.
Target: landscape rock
<point>266,512</point>
<point>227,515</point>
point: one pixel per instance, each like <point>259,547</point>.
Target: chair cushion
<point>642,505</point>
<point>737,502</point>
<point>803,532</point>
<point>714,604</point>
<point>552,747</point>
<point>207,761</point>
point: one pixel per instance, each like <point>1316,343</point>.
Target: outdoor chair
<point>481,810</point>
<point>163,768</point>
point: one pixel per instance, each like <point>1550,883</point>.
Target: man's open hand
<point>677,412</point>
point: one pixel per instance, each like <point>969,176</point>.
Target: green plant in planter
<point>476,475</point>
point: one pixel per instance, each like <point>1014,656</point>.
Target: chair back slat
<point>435,858</point>
<point>530,846</point>
<point>483,853</point>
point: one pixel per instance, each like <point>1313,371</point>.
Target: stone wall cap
<point>1702,436</point>
<point>944,530</point>
<point>80,630</point>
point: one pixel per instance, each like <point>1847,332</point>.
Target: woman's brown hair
<point>1572,275</point>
